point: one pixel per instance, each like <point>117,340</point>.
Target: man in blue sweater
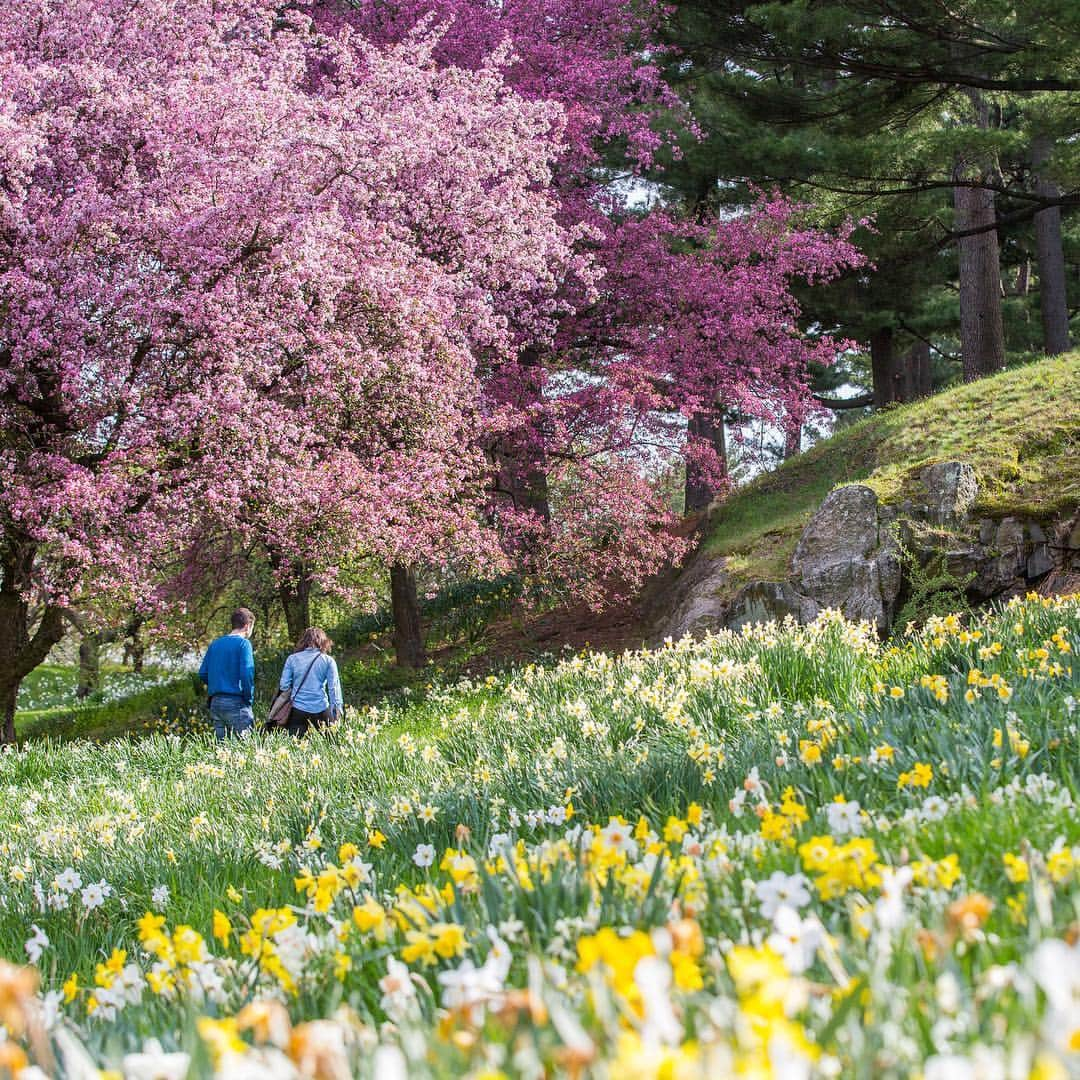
<point>228,669</point>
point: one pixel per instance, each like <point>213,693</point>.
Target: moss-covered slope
<point>1020,430</point>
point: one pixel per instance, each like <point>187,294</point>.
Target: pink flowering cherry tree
<point>216,259</point>
<point>685,322</point>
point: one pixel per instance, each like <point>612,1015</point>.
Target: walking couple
<point>310,677</point>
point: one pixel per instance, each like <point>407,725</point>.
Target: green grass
<point>799,715</point>
<point>1020,430</point>
<point>125,703</point>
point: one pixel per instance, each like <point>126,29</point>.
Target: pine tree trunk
<point>883,367</point>
<point>982,333</point>
<point>699,493</point>
<point>89,665</point>
<point>1053,300</point>
<point>916,372</point>
<point>408,631</point>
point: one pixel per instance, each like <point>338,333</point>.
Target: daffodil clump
<point>788,852</point>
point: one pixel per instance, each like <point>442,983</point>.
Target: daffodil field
<point>788,852</point>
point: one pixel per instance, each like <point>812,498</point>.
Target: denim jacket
<point>321,689</point>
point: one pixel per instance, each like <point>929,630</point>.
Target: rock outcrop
<point>847,560</point>
<point>692,601</point>
<point>849,557</point>
<point>951,491</point>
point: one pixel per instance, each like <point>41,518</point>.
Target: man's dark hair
<point>241,617</point>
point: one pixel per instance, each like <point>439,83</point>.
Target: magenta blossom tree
<point>232,241</point>
<point>687,320</point>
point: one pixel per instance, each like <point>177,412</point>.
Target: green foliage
<point>932,588</point>
<point>459,611</point>
<point>863,113</point>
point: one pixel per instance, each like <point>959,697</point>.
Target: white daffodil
<point>780,889</point>
<point>397,988</point>
<point>619,836</point>
<point>949,1067</point>
<point>424,855</point>
<point>845,818</point>
<point>889,909</point>
<point>795,939</point>
<point>661,1026</point>
<point>1055,966</point>
<point>389,1064</point>
<point>36,944</point>
<point>68,880</point>
<point>155,1064</point>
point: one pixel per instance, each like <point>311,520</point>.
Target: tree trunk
<point>296,603</point>
<point>982,334</point>
<point>408,632</point>
<point>883,367</point>
<point>1053,301</point>
<point>916,372</point>
<point>89,665</point>
<point>138,653</point>
<point>699,493</point>
<point>20,651</point>
<point>9,694</point>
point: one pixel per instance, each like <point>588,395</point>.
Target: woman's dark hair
<point>314,638</point>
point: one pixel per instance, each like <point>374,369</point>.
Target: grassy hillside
<point>126,703</point>
<point>1020,430</point>
<point>785,853</point>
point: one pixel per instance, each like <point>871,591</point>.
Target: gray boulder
<point>695,601</point>
<point>765,601</point>
<point>845,560</point>
<point>1003,562</point>
<point>951,491</point>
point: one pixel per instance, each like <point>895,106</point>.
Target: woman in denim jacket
<point>311,674</point>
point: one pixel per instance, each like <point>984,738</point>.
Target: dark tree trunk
<point>20,650</point>
<point>982,334</point>
<point>916,372</point>
<point>898,378</point>
<point>294,591</point>
<point>138,653</point>
<point>9,694</point>
<point>883,367</point>
<point>699,493</point>
<point>296,603</point>
<point>89,665</point>
<point>408,631</point>
<point>134,648</point>
<point>1053,301</point>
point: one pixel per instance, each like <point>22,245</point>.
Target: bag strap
<point>299,685</point>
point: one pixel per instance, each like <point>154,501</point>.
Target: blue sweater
<point>322,688</point>
<point>229,668</point>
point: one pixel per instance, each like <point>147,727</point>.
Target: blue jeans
<point>231,715</point>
